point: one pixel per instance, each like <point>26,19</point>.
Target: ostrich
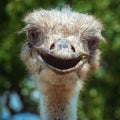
<point>62,51</point>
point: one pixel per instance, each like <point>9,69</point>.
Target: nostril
<point>73,49</point>
<point>62,46</point>
<point>52,46</point>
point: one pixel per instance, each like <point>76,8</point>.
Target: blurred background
<point>100,100</point>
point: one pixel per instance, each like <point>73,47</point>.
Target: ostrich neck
<point>58,96</point>
<point>57,109</point>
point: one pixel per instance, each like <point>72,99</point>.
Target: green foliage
<point>101,97</point>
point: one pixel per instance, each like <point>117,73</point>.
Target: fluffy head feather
<point>49,28</point>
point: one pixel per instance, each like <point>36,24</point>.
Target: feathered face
<point>63,41</point>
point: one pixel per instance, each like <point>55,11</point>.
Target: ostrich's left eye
<point>93,44</point>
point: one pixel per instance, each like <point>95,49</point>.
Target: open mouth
<point>60,64</point>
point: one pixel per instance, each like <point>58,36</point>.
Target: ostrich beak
<point>64,64</point>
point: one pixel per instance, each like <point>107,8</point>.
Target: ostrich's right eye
<point>33,36</point>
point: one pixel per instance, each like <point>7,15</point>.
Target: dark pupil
<point>34,35</point>
<point>93,44</point>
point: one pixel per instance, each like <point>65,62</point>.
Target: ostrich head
<point>62,50</point>
<point>62,41</point>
